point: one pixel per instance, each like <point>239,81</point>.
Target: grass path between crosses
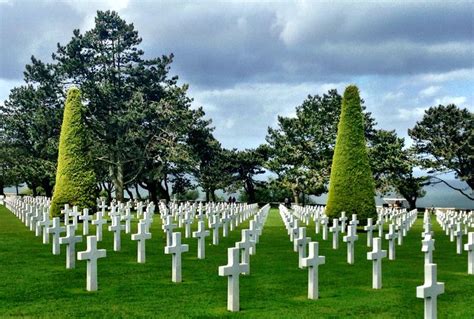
<point>34,283</point>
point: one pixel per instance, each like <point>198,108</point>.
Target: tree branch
<point>439,180</point>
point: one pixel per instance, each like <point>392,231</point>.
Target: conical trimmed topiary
<point>351,186</point>
<point>75,178</point>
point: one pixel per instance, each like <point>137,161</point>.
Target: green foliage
<point>189,195</point>
<point>268,192</point>
<point>351,186</point>
<point>301,148</point>
<point>75,178</point>
<point>444,142</point>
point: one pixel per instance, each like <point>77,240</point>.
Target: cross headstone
<point>232,270</point>
<point>201,235</point>
<point>369,228</point>
<point>324,223</point>
<point>176,249</point>
<point>98,222</point>
<point>70,241</point>
<point>376,255</point>
<point>215,224</point>
<point>188,221</point>
<point>469,247</point>
<point>45,223</point>
<point>335,236</point>
<point>127,217</point>
<point>430,291</point>
<point>116,227</point>
<point>391,236</point>
<point>56,230</point>
<point>91,255</point>
<point>141,236</point>
<point>343,220</point>
<point>85,217</point>
<point>428,247</point>
<point>169,227</point>
<point>300,243</point>
<point>245,245</point>
<point>350,239</point>
<point>458,233</point>
<point>380,226</point>
<point>312,262</point>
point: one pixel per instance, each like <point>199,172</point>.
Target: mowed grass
<point>34,283</point>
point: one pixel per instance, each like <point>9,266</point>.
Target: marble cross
<point>116,227</point>
<point>56,230</point>
<point>380,226</point>
<point>91,255</point>
<point>232,270</point>
<point>350,239</point>
<point>354,222</point>
<point>141,236</point>
<point>343,220</point>
<point>430,291</point>
<point>469,247</point>
<point>428,247</point>
<point>391,236</point>
<point>176,249</point>
<point>324,223</point>
<point>201,235</point>
<point>245,245</point>
<point>45,223</point>
<point>85,217</point>
<point>70,241</point>
<point>253,233</point>
<point>369,228</point>
<point>168,228</point>
<point>376,255</point>
<point>215,224</point>
<point>335,236</point>
<point>98,222</point>
<point>458,233</point>
<point>312,262</point>
<point>300,243</point>
<point>127,217</point>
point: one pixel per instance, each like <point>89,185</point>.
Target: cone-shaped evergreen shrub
<point>75,178</point>
<point>351,186</point>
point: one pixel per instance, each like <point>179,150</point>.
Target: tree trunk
<point>213,195</point>
<point>208,195</point>
<point>129,192</point>
<point>48,189</point>
<point>250,191</point>
<point>153,192</point>
<point>17,190</point>
<point>116,174</point>
<point>296,198</point>
<point>137,190</point>
<point>2,186</point>
<point>163,192</point>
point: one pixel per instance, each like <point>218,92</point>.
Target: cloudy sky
<point>247,62</point>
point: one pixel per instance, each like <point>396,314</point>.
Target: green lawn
<point>35,283</point>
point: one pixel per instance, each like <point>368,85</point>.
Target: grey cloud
<point>32,28</point>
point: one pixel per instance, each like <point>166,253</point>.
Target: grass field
<point>35,283</point>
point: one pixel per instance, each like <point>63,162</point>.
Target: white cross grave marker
<point>430,291</point>
<point>469,247</point>
<point>350,238</point>
<point>300,243</point>
<point>85,217</point>
<point>312,262</point>
<point>369,228</point>
<point>458,233</point>
<point>245,245</point>
<point>427,247</point>
<point>376,255</point>
<point>391,236</point>
<point>141,236</point>
<point>232,270</point>
<point>335,230</point>
<point>201,235</point>
<point>56,230</point>
<point>70,240</point>
<point>91,255</point>
<point>176,249</point>
<point>98,222</point>
<point>116,227</point>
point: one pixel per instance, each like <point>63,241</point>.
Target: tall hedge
<point>351,185</point>
<point>75,178</point>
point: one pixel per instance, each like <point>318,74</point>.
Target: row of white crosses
<point>238,257</point>
<point>185,214</point>
<point>456,224</point>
